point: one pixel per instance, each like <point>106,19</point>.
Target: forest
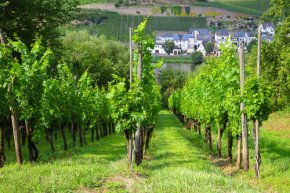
<point>84,113</point>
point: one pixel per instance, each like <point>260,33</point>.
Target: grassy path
<point>177,164</point>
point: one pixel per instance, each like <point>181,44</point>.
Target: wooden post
<point>256,125</point>
<point>2,37</point>
<point>138,133</point>
<point>230,145</point>
<point>16,135</point>
<point>239,144</point>
<point>259,52</point>
<point>139,69</point>
<point>131,54</point>
<point>242,107</point>
<point>219,142</point>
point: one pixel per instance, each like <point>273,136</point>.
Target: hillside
<point>253,7</point>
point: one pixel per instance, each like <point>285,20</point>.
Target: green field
<point>178,161</point>
<point>116,27</point>
<point>253,7</point>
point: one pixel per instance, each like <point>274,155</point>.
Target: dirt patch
<point>117,183</point>
<point>86,190</point>
<point>228,168</point>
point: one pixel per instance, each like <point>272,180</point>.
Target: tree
<point>28,18</point>
<point>169,46</point>
<point>170,80</point>
<point>187,10</point>
<point>108,58</point>
<point>196,58</point>
<point>209,46</point>
<point>251,45</point>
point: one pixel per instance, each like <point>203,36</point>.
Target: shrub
<point>117,5</point>
<point>196,58</point>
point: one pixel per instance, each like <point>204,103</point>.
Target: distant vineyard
<point>115,26</point>
<point>253,7</point>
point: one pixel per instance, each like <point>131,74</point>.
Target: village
<point>197,38</point>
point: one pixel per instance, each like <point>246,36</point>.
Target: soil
<point>228,168</point>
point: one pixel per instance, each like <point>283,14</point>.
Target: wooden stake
<point>138,133</point>
<point>257,151</point>
<point>139,70</point>
<point>131,54</point>
<point>2,37</point>
<point>259,52</point>
<point>239,144</point>
<point>243,115</point>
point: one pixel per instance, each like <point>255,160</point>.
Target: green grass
<point>253,7</point>
<point>115,26</point>
<point>172,59</point>
<point>275,152</point>
<point>79,167</point>
<point>176,163</point>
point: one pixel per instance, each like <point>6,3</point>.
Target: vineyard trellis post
<point>138,134</point>
<point>256,125</point>
<point>130,141</point>
<point>131,56</point>
<point>242,107</point>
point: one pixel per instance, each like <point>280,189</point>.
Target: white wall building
<point>268,28</point>
<point>158,49</point>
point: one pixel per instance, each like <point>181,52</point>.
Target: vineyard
<point>83,113</point>
<point>51,103</point>
<point>252,7</point>
<point>115,26</point>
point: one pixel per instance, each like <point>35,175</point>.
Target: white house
<point>221,37</point>
<point>187,43</point>
<point>201,49</point>
<point>268,28</point>
<point>242,36</point>
<point>250,36</point>
<point>158,49</point>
